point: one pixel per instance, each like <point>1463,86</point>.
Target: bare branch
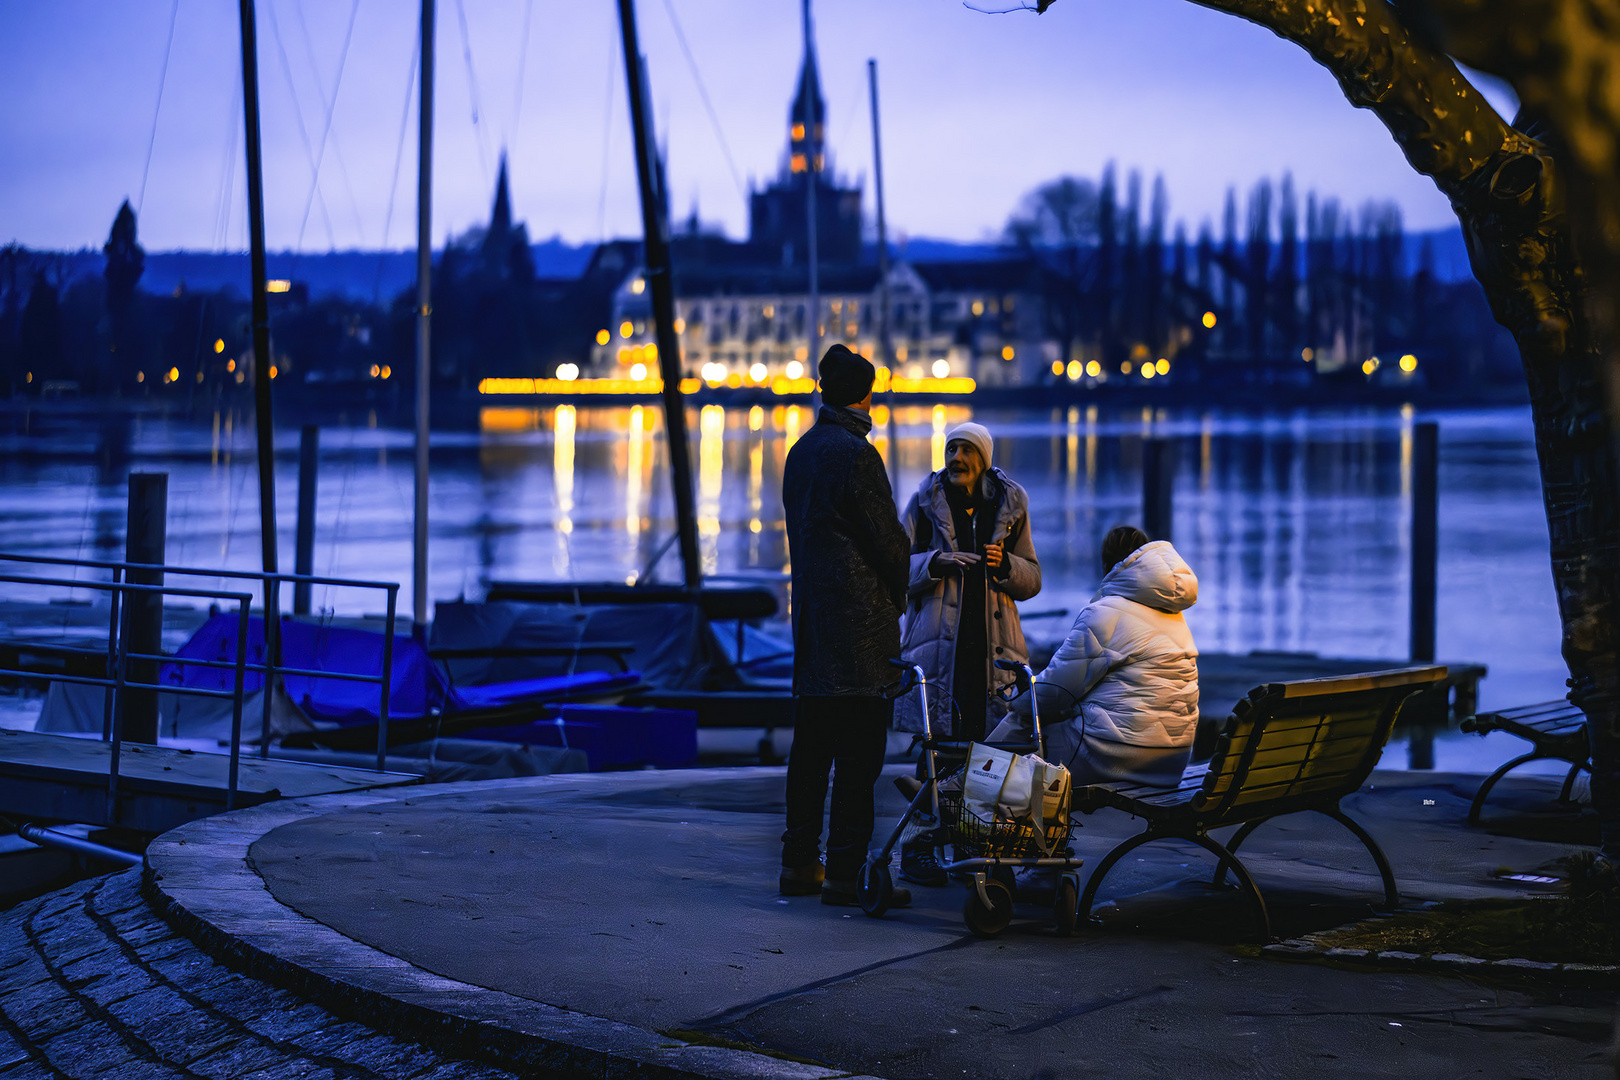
<point>1038,7</point>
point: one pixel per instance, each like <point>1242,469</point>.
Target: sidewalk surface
<point>637,914</point>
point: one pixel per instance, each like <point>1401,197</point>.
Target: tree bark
<point>1511,195</point>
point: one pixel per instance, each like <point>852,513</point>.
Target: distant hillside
<point>379,276</point>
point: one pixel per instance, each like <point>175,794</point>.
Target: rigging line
<point>157,110</point>
<point>326,129</point>
<point>399,158</point>
<point>472,91</point>
<point>337,86</point>
<point>523,64</point>
<point>607,138</point>
<point>227,181</point>
<point>703,92</point>
<point>298,115</point>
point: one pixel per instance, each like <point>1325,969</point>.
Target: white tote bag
<point>983,780</point>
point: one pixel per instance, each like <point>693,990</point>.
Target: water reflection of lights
<point>937,456</point>
<point>1091,448</point>
<point>635,468</point>
<point>711,472</point>
<point>564,421</point>
<point>795,416</point>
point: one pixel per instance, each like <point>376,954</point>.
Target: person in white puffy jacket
<point>1119,700</point>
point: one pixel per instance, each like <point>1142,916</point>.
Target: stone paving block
<point>145,933</point>
<point>294,1070</point>
<point>242,998</point>
<point>150,952</point>
<point>356,1044</point>
<point>172,1026</point>
<point>185,966</point>
<point>31,972</point>
<point>137,1070</point>
<point>243,1057</point>
<point>89,1049</point>
<point>43,1012</point>
<point>464,1070</point>
<point>115,982</point>
<point>11,1051</point>
<point>291,1023</point>
<point>70,942</point>
<point>27,1070</point>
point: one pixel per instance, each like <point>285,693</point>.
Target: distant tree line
<point>1322,293</point>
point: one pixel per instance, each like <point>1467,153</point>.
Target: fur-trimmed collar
<point>1010,499</point>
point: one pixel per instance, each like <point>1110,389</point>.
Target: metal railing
<point>119,655</point>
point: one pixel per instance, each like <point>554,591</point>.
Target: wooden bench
<point>1286,748</point>
<point>1555,730</point>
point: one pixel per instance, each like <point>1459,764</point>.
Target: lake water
<point>1296,522</point>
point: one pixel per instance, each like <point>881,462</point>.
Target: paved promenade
<point>628,925</point>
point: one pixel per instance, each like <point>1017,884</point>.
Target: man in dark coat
<point>851,564</point>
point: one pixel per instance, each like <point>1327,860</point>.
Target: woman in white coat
<point>1119,700</point>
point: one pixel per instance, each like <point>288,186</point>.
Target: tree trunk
<point>1510,193</point>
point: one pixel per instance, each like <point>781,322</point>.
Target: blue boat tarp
<point>417,688</point>
<point>549,688</point>
<point>611,736</point>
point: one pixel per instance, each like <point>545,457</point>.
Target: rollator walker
<point>988,850</point>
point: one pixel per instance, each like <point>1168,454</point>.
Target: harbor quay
<point>628,924</point>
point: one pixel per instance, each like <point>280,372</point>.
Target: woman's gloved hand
<point>951,562</point>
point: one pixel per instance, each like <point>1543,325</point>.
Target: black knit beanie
<point>846,377</point>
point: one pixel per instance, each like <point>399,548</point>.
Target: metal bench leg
<point>1238,837</point>
<point>1569,781</point>
<point>1241,872</point>
<point>1392,896</point>
<point>1490,782</point>
<point>1107,864</point>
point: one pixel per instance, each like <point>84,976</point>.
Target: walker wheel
<point>874,887</point>
<point>1067,907</point>
<point>987,922</point>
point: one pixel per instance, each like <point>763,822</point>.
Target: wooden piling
<point>1425,571</point>
<point>145,536</point>
<point>1158,487</point>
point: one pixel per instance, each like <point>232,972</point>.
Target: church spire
<point>807,118</point>
<point>505,252</point>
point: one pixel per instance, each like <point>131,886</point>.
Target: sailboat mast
<point>424,324</point>
<point>812,135</point>
<point>655,228</point>
<point>885,349</point>
<point>263,421</point>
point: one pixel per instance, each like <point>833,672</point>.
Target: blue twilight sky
<point>977,109</point>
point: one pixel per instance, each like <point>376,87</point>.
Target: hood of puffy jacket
<point>1154,576</point>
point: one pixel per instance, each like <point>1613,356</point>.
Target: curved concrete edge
<point>200,879</point>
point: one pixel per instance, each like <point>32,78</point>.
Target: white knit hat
<point>977,434</point>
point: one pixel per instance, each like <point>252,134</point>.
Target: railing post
<point>309,442</point>
<point>242,624</point>
<point>120,697</point>
<point>272,611</point>
<point>144,538</point>
<point>108,697</point>
<point>1158,487</point>
<point>387,681</point>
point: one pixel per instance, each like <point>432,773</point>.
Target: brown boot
<point>801,880</point>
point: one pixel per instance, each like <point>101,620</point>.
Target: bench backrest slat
<point>1311,737</point>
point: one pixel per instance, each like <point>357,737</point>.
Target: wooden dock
<point>60,778</point>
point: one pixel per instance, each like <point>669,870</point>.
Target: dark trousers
<point>844,736</point>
